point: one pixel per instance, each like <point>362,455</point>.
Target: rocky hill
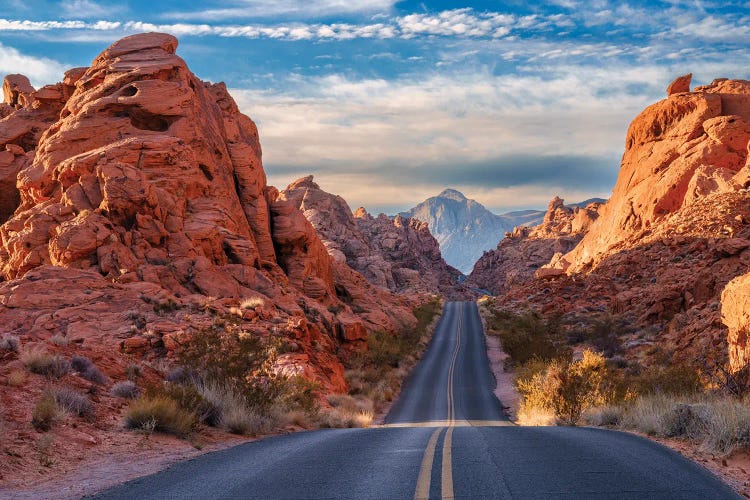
<point>464,228</point>
<point>135,216</point>
<point>396,253</point>
<point>664,249</point>
<point>528,251</point>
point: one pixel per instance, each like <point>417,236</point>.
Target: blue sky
<point>389,102</point>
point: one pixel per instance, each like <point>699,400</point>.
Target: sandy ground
<point>127,456</point>
<point>505,390</point>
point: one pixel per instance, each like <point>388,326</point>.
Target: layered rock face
<point>133,184</point>
<point>528,251</point>
<point>464,228</point>
<point>397,253</point>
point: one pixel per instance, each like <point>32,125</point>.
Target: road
<point>445,437</point>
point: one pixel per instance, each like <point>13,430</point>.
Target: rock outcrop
<point>136,212</point>
<point>677,151</point>
<point>735,313</point>
<point>527,251</point>
<point>395,253</point>
<point>670,251</point>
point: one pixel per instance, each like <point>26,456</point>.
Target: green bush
<point>529,335</point>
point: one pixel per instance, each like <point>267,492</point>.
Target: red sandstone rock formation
<point>666,252</point>
<point>132,184</point>
<point>527,251</point>
<point>678,151</point>
<point>396,253</point>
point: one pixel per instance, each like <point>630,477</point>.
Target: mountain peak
<point>452,194</point>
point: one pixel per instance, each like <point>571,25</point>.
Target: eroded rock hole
<point>129,91</point>
<point>143,120</point>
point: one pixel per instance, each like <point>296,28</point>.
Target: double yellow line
<point>425,471</point>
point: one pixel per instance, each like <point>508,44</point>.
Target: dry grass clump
<point>9,343</point>
<point>41,362</point>
<point>159,414</point>
<point>720,424</point>
<point>241,420</point>
<point>73,402</point>
<point>252,303</point>
<point>126,390</point>
<point>60,340</point>
<point>16,378</point>
<point>346,412</point>
<point>45,412</point>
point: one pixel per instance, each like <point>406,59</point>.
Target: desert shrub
<point>16,378</point>
<point>346,412</point>
<point>243,362</point>
<point>41,362</point>
<point>607,415</point>
<point>245,421</point>
<point>9,343</point>
<point>734,383</point>
<point>88,370</point>
<point>43,446</point>
<point>45,412</point>
<point>60,340</point>
<point>667,378</point>
<point>133,371</point>
<point>81,363</point>
<point>126,390</point>
<point>73,402</point>
<point>604,334</point>
<point>529,335</point>
<point>566,388</point>
<point>188,398</point>
<point>177,375</point>
<point>727,426</point>
<point>159,414</point>
<point>685,420</point>
<point>648,413</point>
<point>93,374</point>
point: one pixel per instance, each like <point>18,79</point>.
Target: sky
<point>389,102</point>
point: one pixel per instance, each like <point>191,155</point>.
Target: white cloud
<point>87,9</point>
<point>269,8</point>
<point>40,70</point>
<point>385,131</point>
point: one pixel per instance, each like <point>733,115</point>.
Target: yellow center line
<point>447,475</point>
<point>425,471</point>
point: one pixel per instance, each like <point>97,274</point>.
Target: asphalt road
<point>445,437</point>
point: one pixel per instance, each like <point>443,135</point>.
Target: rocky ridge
<point>527,251</point>
<point>396,253</point>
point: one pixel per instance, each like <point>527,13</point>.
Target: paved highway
<point>445,437</point>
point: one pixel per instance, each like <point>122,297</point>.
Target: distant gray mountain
<point>464,228</point>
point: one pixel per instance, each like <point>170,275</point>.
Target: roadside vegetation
<point>579,376</point>
<point>225,379</point>
<point>375,376</point>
